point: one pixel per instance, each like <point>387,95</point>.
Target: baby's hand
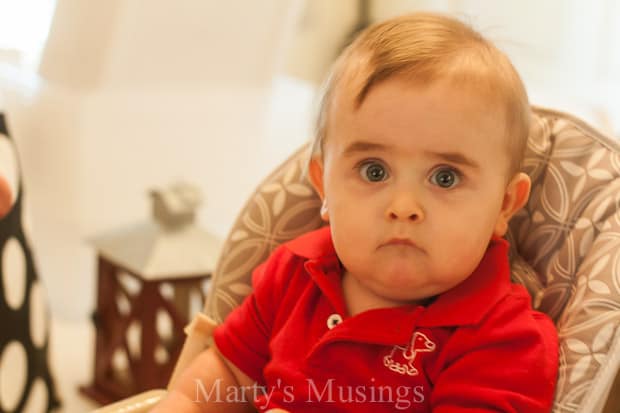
<point>6,197</point>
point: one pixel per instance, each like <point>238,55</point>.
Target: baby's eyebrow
<point>455,157</point>
<point>452,157</point>
<point>363,146</point>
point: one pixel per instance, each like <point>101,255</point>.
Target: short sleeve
<point>243,338</point>
<point>508,364</point>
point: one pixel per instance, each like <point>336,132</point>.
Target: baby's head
<point>417,154</point>
<point>424,48</point>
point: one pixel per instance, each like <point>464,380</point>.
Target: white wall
<point>138,94</point>
<point>319,32</point>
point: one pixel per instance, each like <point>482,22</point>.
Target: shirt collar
<point>313,245</point>
<point>322,264</point>
<point>466,303</point>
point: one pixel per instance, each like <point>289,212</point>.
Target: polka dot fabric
<point>26,383</point>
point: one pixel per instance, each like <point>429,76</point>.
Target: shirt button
<point>333,320</point>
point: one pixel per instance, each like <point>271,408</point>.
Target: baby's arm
<point>244,337</point>
<point>203,386</point>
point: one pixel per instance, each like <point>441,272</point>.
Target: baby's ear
<point>516,196</point>
<point>315,172</point>
<point>316,178</point>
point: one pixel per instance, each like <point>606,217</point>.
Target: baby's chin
<point>403,298</point>
<point>406,284</point>
<point>403,287</point>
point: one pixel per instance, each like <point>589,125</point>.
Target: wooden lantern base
<point>149,363</point>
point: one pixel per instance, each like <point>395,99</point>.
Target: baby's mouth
<point>404,242</point>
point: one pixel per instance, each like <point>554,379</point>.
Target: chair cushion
<point>565,245</point>
<point>569,232</point>
<point>283,207</point>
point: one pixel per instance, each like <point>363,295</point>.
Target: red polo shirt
<point>478,347</point>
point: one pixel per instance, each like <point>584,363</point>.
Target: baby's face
<point>414,180</point>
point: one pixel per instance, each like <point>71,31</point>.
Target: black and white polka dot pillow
<point>26,384</point>
<point>8,175</point>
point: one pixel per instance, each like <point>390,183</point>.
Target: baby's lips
<point>6,197</point>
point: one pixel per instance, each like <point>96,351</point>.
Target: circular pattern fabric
<point>26,382</point>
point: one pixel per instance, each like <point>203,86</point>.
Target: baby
<point>404,301</point>
<point>6,197</point>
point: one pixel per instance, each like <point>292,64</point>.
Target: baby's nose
<point>405,206</point>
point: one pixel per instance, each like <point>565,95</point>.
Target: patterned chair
<point>565,250</point>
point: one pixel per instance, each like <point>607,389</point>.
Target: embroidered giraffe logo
<point>401,359</point>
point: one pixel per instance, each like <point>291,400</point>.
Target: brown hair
<point>425,47</point>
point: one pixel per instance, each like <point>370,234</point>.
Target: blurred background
<point>109,99</point>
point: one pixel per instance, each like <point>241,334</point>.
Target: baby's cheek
<point>464,260</point>
<point>6,197</point>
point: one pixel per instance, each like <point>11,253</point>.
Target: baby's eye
<point>373,171</point>
<point>445,177</point>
